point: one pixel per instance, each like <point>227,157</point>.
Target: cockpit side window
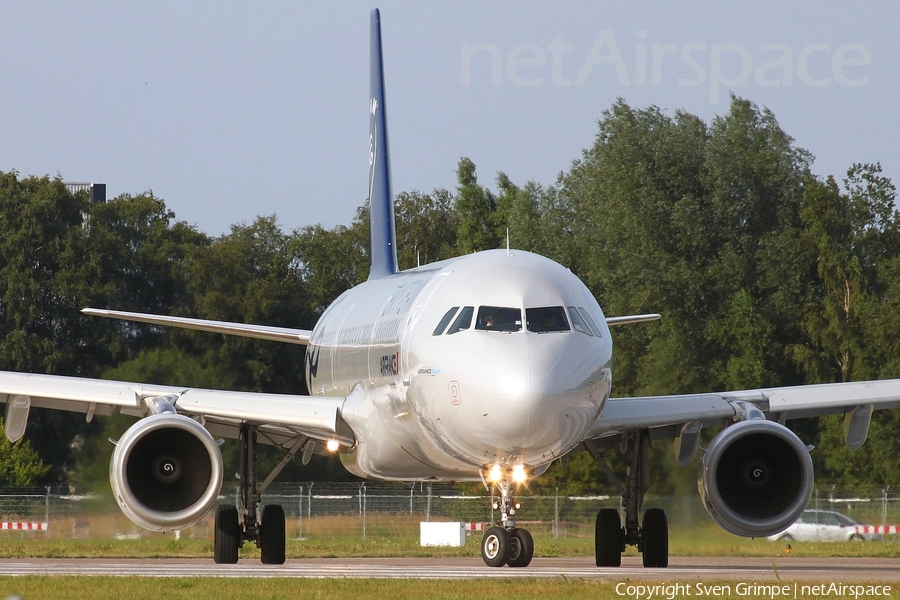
<point>546,319</point>
<point>590,322</point>
<point>578,322</point>
<point>499,318</point>
<point>445,320</point>
<point>463,321</point>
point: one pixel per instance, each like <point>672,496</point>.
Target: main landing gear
<point>507,544</point>
<point>266,529</point>
<point>652,536</point>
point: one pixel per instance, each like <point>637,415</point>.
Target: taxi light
<point>518,474</point>
<point>332,445</point>
<point>496,473</point>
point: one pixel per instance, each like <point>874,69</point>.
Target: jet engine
<point>756,478</point>
<point>166,472</point>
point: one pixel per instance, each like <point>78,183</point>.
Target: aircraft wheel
<point>495,546</point>
<point>227,535</point>
<point>271,535</point>
<point>608,538</point>
<point>521,549</point>
<point>656,538</point>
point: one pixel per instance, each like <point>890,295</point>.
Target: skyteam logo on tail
<point>373,110</point>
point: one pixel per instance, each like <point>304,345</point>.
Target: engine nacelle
<point>756,478</point>
<point>166,472</point>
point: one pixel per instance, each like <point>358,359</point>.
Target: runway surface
<point>825,570</point>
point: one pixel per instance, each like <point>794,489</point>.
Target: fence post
<point>362,507</point>
<point>47,513</point>
<point>884,495</point>
<point>556,514</point>
<point>412,488</point>
<point>428,506</point>
<point>300,513</point>
<point>309,503</point>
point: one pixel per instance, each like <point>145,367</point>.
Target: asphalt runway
<point>784,569</point>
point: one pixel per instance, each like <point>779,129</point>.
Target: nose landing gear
<point>507,544</point>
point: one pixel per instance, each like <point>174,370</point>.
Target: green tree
<point>476,207</point>
<point>426,227</point>
<point>20,465</point>
<point>250,275</point>
<point>331,261</point>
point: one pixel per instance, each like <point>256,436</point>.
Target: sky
<point>229,110</point>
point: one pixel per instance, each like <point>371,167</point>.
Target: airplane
<point>486,367</point>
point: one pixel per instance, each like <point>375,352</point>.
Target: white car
<point>824,526</point>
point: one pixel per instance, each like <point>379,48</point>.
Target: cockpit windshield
<point>499,318</point>
<point>546,319</point>
<point>463,321</point>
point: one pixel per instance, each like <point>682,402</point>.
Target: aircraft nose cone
<point>532,401</point>
<point>511,385</point>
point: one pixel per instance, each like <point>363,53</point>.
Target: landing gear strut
<point>507,544</point>
<point>266,530</point>
<point>650,537</point>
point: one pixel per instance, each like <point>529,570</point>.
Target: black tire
<point>608,538</point>
<point>521,549</point>
<point>787,538</point>
<point>656,538</point>
<point>271,535</point>
<point>495,546</point>
<point>227,535</point>
<point>857,538</point>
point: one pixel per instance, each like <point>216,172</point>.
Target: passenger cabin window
<point>445,320</point>
<point>498,318</point>
<point>463,321</point>
<point>578,322</point>
<point>547,319</point>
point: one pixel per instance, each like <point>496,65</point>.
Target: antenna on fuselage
<point>382,228</point>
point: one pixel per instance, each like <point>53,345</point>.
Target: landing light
<point>332,445</point>
<point>496,473</point>
<point>518,474</point>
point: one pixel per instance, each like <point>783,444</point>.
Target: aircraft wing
<point>260,332</point>
<point>667,413</point>
<point>280,415</point>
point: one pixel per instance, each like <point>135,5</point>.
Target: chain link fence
<point>317,510</point>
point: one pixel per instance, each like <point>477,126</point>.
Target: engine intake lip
<point>166,472</point>
<point>756,478</point>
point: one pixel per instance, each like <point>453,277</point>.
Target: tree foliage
<point>20,465</point>
<point>766,275</point>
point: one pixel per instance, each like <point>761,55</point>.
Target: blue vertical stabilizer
<point>382,230</point>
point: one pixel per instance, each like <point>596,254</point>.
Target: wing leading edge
<point>260,332</point>
<point>317,417</point>
<point>781,403</point>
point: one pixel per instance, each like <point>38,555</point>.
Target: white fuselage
<point>517,374</point>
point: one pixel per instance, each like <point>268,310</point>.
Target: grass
<point>100,588</point>
<point>701,540</point>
